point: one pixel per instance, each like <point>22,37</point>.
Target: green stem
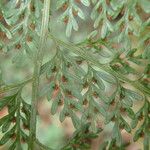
<point>36,74</point>
<point>8,88</point>
<point>87,56</point>
<point>18,137</point>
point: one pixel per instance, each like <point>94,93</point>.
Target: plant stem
<point>18,103</point>
<point>36,74</point>
<point>12,87</point>
<point>8,88</point>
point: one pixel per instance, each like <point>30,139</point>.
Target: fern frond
<point>15,125</point>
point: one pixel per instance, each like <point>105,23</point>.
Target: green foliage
<point>81,138</point>
<point>15,124</point>
<point>71,11</point>
<point>103,76</point>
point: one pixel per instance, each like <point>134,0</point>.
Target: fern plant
<point>102,77</point>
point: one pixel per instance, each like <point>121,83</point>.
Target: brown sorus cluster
<point>110,18</point>
<point>116,66</point>
<point>141,117</point>
<point>75,12</point>
<point>122,11</point>
<point>18,5</point>
<point>23,110</point>
<point>85,85</point>
<point>130,33</point>
<point>32,7</point>
<point>94,80</point>
<point>78,1</point>
<point>89,45</point>
<point>108,2</point>
<point>122,27</point>
<point>20,31</point>
<point>105,39</point>
<point>95,94</point>
<point>65,6</point>
<point>86,131</point>
<point>121,126</point>
<point>99,10</point>
<point>67,114</point>
<point>56,87</point>
<point>66,19</point>
<point>88,117</point>
<point>60,102</point>
<point>13,136</point>
<point>122,109</point>
<point>72,106</point>
<point>146,80</point>
<point>29,39</point>
<point>142,134</point>
<point>79,62</point>
<point>14,120</point>
<point>68,93</point>
<point>23,140</point>
<point>126,62</point>
<point>113,119</point>
<point>25,126</point>
<point>148,71</point>
<point>54,69</point>
<point>122,96</point>
<point>32,26</point>
<point>75,146</point>
<point>130,18</point>
<point>21,17</point>
<point>1,16</point>
<point>112,102</point>
<point>85,101</point>
<point>68,65</point>
<point>64,79</point>
<point>114,146</point>
<point>120,15</point>
<point>18,46</point>
<point>147,42</point>
<point>95,110</point>
<point>2,20</point>
<point>2,35</point>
